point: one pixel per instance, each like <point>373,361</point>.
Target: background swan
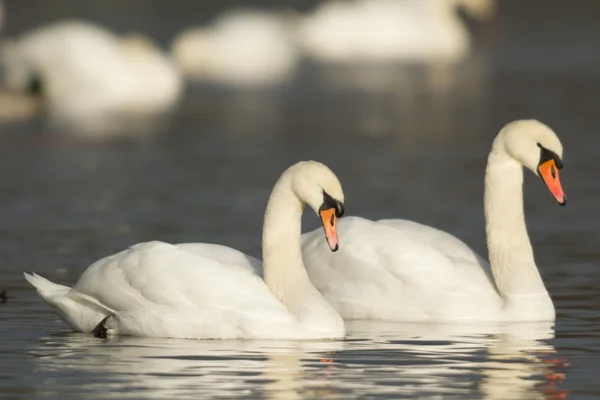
<point>208,291</point>
<point>402,270</point>
<point>241,47</point>
<point>83,71</point>
<point>389,30</point>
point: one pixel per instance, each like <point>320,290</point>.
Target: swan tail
<point>44,287</point>
<point>81,312</point>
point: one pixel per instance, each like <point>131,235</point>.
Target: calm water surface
<point>406,142</point>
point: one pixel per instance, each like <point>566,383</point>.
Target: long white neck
<point>282,257</point>
<point>284,271</point>
<point>510,252</point>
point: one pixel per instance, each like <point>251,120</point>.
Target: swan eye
<point>339,209</point>
<point>546,155</point>
<point>331,203</point>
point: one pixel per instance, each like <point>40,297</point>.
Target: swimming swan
<point>242,47</point>
<point>85,72</point>
<point>200,290</point>
<point>340,31</point>
<point>401,270</point>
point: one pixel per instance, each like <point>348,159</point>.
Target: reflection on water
<point>496,361</point>
<point>381,359</point>
<point>108,127</point>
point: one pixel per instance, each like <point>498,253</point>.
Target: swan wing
<point>454,248</point>
<point>159,289</point>
<point>395,271</point>
<point>224,254</point>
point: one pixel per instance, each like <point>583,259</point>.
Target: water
<point>406,142</point>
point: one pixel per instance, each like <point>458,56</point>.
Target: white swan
<point>401,270</point>
<point>209,291</point>
<point>389,30</point>
<point>85,72</point>
<point>241,47</point>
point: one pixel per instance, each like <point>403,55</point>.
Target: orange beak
<point>549,174</point>
<point>329,221</point>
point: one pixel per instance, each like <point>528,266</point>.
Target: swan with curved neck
<point>242,47</point>
<point>199,290</point>
<point>402,270</point>
<point>339,31</point>
<point>85,75</point>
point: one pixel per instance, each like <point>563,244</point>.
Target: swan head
<point>317,186</point>
<point>538,148</point>
<point>191,51</point>
<point>481,10</point>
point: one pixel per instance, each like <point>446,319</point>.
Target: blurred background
<point>123,122</point>
<point>138,120</point>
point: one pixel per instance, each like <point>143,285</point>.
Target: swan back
<point>242,47</point>
<point>389,30</point>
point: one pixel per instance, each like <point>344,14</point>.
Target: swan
<point>242,47</point>
<point>340,31</point>
<point>203,291</point>
<point>404,271</point>
<point>83,71</point>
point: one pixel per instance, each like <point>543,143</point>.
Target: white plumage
<point>86,72</point>
<point>404,271</point>
<point>341,31</point>
<point>201,290</point>
<point>241,47</point>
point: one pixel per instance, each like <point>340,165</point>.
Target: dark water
<point>407,142</point>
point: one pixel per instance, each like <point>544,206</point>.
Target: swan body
<point>389,30</point>
<point>401,270</point>
<point>83,71</point>
<point>201,290</point>
<point>242,47</point>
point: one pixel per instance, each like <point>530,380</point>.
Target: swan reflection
<point>170,368</point>
<point>497,360</point>
<point>378,358</point>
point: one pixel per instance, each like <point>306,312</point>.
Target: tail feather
<point>44,287</point>
<point>81,312</point>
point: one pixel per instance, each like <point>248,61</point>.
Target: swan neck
<point>510,252</point>
<point>282,255</point>
<point>284,271</point>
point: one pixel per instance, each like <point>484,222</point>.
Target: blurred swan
<point>204,291</point>
<point>242,47</point>
<point>390,30</point>
<point>404,271</point>
<point>84,72</point>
